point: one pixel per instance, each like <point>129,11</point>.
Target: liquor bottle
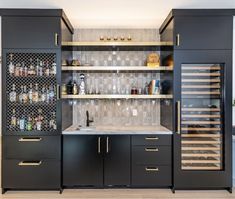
<point>37,68</point>
<point>30,93</point>
<point>29,125</point>
<point>13,119</point>
<point>75,88</point>
<point>47,94</point>
<point>21,70</point>
<point>35,94</point>
<point>52,122</point>
<point>22,122</point>
<point>47,69</point>
<point>12,95</point>
<point>41,69</point>
<point>21,94</point>
<point>31,71</point>
<point>11,66</point>
<point>43,97</point>
<point>51,94</point>
<point>25,69</point>
<point>39,120</point>
<point>53,69</point>
<point>17,70</point>
<point>25,95</point>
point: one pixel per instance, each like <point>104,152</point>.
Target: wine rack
<point>28,108</point>
<point>201,117</point>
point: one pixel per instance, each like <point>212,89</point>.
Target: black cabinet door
<point>82,161</point>
<point>203,125</point>
<point>30,32</point>
<point>117,160</point>
<point>203,32</point>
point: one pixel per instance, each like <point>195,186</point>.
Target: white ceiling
<point>117,13</point>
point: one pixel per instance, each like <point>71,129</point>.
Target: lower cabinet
<point>96,161</point>
<point>151,161</point>
<point>31,162</point>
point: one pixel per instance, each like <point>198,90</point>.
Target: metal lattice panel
<point>20,108</point>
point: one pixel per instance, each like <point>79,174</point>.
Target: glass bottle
<point>29,125</point>
<point>52,123</point>
<point>31,71</point>
<point>51,93</point>
<point>47,69</point>
<point>13,119</point>
<point>35,94</point>
<point>25,69</point>
<point>12,95</point>
<point>82,88</point>
<point>39,120</point>
<point>30,93</point>
<point>21,94</point>
<point>43,94</point>
<point>37,67</point>
<point>22,121</point>
<point>11,66</point>
<point>53,69</point>
<point>41,69</point>
<point>17,70</point>
<point>25,95</point>
<point>21,71</point>
<point>75,88</point>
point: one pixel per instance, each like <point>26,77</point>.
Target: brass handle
<point>58,92</point>
<point>177,39</point>
<point>56,39</point>
<point>30,139</point>
<point>151,149</point>
<point>178,117</point>
<point>98,145</point>
<point>151,169</point>
<point>30,163</point>
<point>107,144</point>
<point>151,138</point>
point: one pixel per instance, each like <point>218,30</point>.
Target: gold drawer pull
<point>30,139</point>
<point>151,169</point>
<point>151,149</point>
<point>30,163</point>
<point>151,138</point>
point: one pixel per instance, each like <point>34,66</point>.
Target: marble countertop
<point>106,130</point>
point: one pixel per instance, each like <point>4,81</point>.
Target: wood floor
<point>119,193</point>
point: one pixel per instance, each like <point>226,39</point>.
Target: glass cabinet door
<point>201,116</point>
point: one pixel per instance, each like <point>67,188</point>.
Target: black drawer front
<point>151,175</point>
<point>40,175</point>
<point>159,155</point>
<point>151,140</point>
<point>28,147</point>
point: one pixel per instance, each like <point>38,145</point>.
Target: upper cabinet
<point>199,29</point>
<point>203,33</point>
<point>31,32</point>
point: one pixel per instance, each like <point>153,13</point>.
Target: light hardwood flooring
<point>118,193</point>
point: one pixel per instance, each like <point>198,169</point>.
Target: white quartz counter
<point>105,130</point>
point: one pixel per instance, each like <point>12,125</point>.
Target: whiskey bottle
<point>41,69</point>
<point>52,123</point>
<point>31,71</point>
<point>35,94</point>
<point>39,120</point>
<point>51,94</point>
<point>53,69</point>
<point>11,66</point>
<point>17,70</point>
<point>21,71</point>
<point>13,119</point>
<point>21,94</point>
<point>12,95</point>
<point>37,68</point>
<point>25,69</point>
<point>30,93</point>
<point>47,69</point>
<point>25,95</point>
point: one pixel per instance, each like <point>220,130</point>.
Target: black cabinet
<point>203,32</point>
<point>82,160</point>
<point>90,160</point>
<point>117,160</point>
<point>30,32</point>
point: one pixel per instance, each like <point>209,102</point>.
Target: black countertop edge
<point>196,12</point>
<point>37,12</point>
